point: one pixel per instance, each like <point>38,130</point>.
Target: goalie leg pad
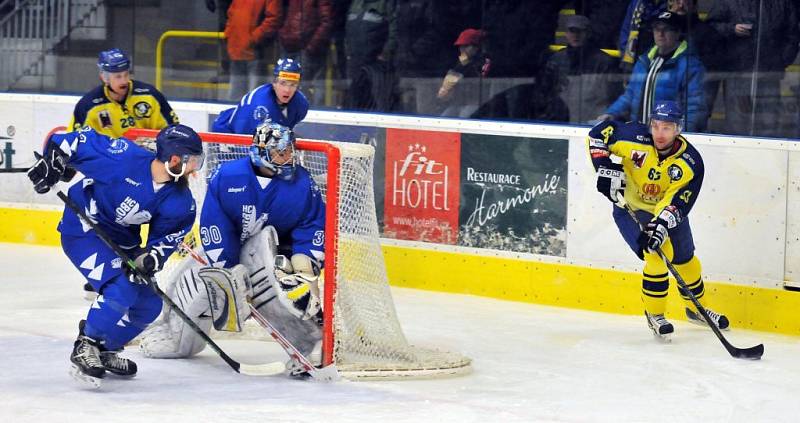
<point>227,294</point>
<point>169,336</point>
<point>303,334</point>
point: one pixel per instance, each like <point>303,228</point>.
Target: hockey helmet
<point>288,69</point>
<point>114,60</point>
<point>182,141</point>
<point>668,111</point>
<point>273,149</point>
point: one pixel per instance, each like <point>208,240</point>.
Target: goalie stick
<point>267,369</point>
<point>752,353</point>
<point>328,373</point>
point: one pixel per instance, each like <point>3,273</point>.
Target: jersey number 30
<point>210,234</point>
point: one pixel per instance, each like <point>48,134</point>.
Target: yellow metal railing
<point>179,34</point>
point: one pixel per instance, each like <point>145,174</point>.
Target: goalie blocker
<point>218,296</point>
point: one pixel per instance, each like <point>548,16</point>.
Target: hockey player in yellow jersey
<point>121,103</point>
<point>660,176</point>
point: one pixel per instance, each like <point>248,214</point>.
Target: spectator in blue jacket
<point>669,71</point>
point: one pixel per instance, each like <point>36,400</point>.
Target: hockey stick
<point>752,353</point>
<point>13,169</point>
<point>267,369</point>
<point>328,373</point>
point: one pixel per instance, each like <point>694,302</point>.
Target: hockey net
<point>362,335</point>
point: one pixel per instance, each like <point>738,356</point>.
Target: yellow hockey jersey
<point>652,183</point>
<point>144,107</point>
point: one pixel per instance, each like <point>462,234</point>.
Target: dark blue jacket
<point>679,79</point>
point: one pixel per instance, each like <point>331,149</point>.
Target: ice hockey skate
<point>662,329</point>
<point>87,367</point>
<point>719,319</point>
<point>117,365</point>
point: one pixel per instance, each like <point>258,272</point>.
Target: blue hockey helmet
<point>273,149</point>
<point>182,141</point>
<point>113,60</point>
<point>289,69</point>
<point>668,111</point>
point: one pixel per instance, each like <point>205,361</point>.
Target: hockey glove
<point>297,285</point>
<point>47,170</point>
<point>148,263</point>
<point>657,230</point>
<point>610,181</point>
<point>656,234</point>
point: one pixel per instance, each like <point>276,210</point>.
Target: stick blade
<point>752,353</point>
<point>326,374</point>
<point>267,369</point>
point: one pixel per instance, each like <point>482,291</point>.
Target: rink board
<point>745,225</point>
<point>546,281</point>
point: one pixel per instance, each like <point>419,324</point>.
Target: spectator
<point>519,33</point>
<point>637,21</point>
<point>539,100</point>
<point>306,37</point>
<point>251,25</point>
<point>459,93</point>
<point>606,17</point>
<point>220,7</point>
<point>425,28</point>
<point>589,73</point>
<point>669,71</point>
<point>762,39</point>
<point>704,40</point>
<point>370,42</point>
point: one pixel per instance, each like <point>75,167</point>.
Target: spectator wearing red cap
<point>459,94</point>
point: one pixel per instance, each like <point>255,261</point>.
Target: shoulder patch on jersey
<point>141,90</point>
<point>688,157</point>
<point>117,146</point>
<point>142,110</point>
<point>675,172</point>
<point>260,113</point>
<point>638,157</point>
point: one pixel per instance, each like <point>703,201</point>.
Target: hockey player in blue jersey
<point>266,213</point>
<point>279,102</point>
<point>124,187</point>
<point>660,177</point>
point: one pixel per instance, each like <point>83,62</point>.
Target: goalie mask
<point>273,149</point>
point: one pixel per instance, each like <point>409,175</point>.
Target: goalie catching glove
<point>296,285</point>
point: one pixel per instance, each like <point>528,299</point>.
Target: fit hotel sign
<point>422,185</point>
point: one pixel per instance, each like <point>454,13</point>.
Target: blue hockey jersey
<point>118,192</point>
<point>258,106</point>
<point>238,204</point>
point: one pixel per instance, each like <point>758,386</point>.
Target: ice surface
<point>532,364</point>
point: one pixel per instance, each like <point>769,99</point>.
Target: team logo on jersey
<point>117,146</point>
<point>651,190</point>
<point>675,173</point>
<point>128,213</point>
<point>142,110</point>
<point>105,119</point>
<point>638,157</point>
<point>260,114</point>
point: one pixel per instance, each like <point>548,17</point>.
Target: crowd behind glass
<point>729,63</point>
